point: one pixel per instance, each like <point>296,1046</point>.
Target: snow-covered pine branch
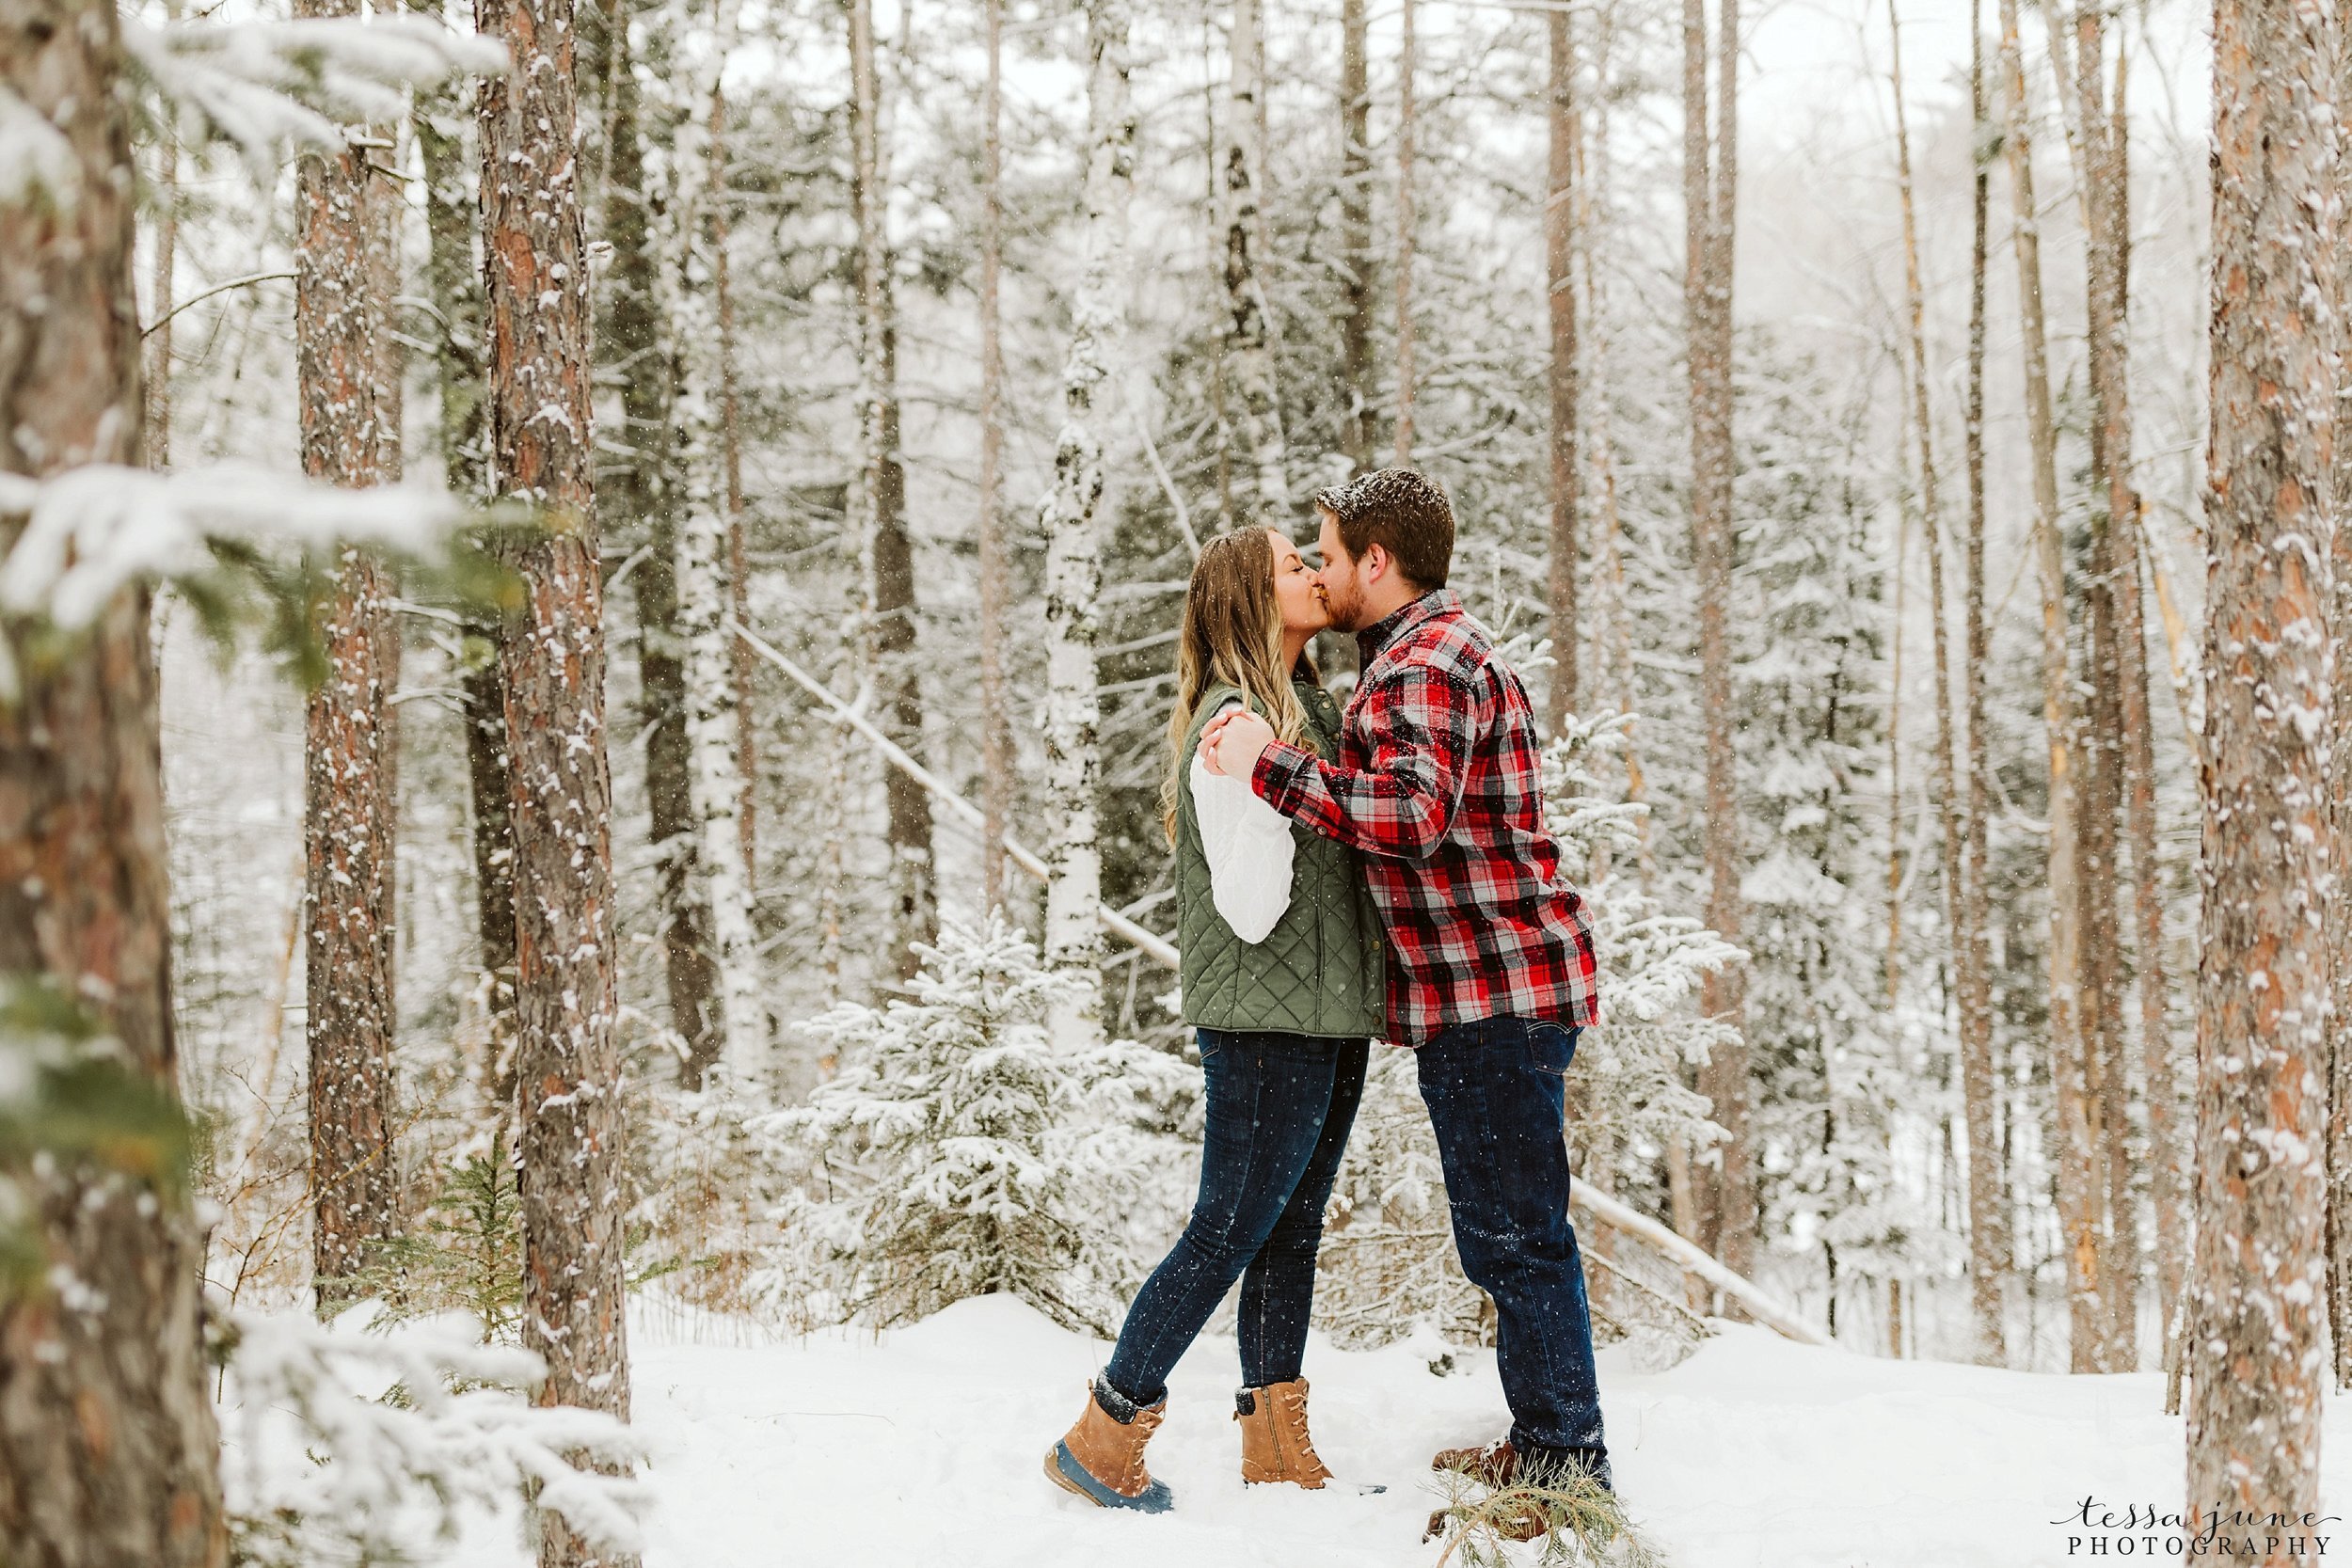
<point>349,1444</point>
<point>264,86</point>
<point>89,530</point>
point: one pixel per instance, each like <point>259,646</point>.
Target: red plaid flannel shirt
<point>1437,789</point>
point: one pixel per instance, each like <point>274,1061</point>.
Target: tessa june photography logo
<point>2096,1528</point>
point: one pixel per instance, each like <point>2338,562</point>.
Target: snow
<point>922,1446</point>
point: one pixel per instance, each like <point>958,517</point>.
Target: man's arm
<point>1419,729</point>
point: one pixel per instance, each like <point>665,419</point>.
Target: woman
<point>1281,982</point>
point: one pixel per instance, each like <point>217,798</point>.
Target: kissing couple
<point>1382,874</point>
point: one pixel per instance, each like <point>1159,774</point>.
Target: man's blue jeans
<point>1495,1092</point>
<point>1279,1107</point>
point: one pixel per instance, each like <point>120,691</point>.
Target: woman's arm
<point>1249,851</point>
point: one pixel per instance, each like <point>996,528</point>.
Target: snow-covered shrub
<point>1388,1265</point>
<point>343,1445</point>
<point>956,1153</point>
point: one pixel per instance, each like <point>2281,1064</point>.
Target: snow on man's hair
<point>1402,510</point>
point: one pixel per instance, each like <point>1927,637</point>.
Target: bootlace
<point>1293,1413</point>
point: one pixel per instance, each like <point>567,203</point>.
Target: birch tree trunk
<point>1710,184</point>
<point>718,788</point>
<point>1405,388</point>
<point>881,498</point>
<point>1248,316</point>
<point>1560,293</point>
<point>996,748</point>
<point>731,447</point>
<point>1074,564</point>
<point>109,1455</point>
<point>2263,973</point>
<point>568,1066</point>
<point>2078,1198</point>
<point>1989,1259</point>
<point>1356,370</point>
<point>1976,1055</point>
<point>338,354</point>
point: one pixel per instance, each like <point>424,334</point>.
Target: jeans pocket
<point>1210,1041</point>
<point>1550,1047</point>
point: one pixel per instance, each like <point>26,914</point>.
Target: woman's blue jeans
<point>1279,1107</point>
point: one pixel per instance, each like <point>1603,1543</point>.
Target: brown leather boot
<point>1273,1442</point>
<point>1100,1459</point>
<point>1490,1465</point>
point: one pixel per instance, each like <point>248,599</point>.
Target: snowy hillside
<point>922,1448</point>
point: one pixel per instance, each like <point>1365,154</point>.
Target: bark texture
<point>1710,185</point>
<point>1248,318</point>
<point>881,500</point>
<point>567,1065</point>
<point>1356,369</point>
<point>340,334</point>
<point>1405,385</point>
<point>2257,1282</point>
<point>2079,1199</point>
<point>109,1457</point>
<point>996,748</point>
<point>1074,556</point>
<point>1560,293</point>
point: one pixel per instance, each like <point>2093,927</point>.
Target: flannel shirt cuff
<point>1277,773</point>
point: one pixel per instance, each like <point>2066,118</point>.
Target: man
<point>1493,973</point>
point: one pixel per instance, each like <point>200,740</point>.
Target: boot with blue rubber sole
<point>1100,1459</point>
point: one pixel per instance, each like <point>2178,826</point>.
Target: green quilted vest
<point>1319,971</point>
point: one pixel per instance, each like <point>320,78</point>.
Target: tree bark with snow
<point>453,285</point>
<point>646,486</point>
<point>996,747</point>
<point>731,459</point>
<point>1710,194</point>
<point>2078,1198</point>
<point>339,333</point>
<point>1560,294</point>
<point>1989,1261</point>
<point>2339,1023</point>
<point>567,1061</point>
<point>1354,234</point>
<point>1074,554</point>
<point>1404,264</point>
<point>109,1454</point>
<point>2263,982</point>
<point>1248,316</point>
<point>880,501</point>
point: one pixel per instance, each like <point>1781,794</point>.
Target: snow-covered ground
<point>923,1446</point>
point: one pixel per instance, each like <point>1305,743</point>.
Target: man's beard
<point>1346,606</point>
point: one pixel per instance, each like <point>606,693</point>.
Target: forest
<point>592,593</point>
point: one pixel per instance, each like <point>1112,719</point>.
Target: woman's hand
<point>1232,744</point>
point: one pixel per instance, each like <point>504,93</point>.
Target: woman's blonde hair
<point>1232,636</point>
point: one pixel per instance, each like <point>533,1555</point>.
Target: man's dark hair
<point>1401,510</point>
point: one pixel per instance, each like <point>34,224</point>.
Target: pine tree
<point>2257,1282</point>
<point>109,1454</point>
<point>963,1151</point>
<point>567,1067</point>
<point>1560,297</point>
<point>346,412</point>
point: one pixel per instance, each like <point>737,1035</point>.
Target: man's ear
<point>1377,562</point>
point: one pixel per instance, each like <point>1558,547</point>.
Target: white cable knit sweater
<point>1249,847</point>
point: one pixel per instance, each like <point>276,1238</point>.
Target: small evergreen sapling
<point>957,1152</point>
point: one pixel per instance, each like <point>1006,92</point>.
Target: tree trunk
<point>731,447</point>
<point>569,1068</point>
<point>1976,1096</point>
<point>2339,1023</point>
<point>1711,175</point>
<point>1405,388</point>
<point>1989,1260</point>
<point>109,1456</point>
<point>996,747</point>
<point>1074,564</point>
<point>339,330</point>
<point>2263,975</point>
<point>881,497</point>
<point>1248,316</point>
<point>644,489</point>
<point>166,261</point>
<point>717,793</point>
<point>1560,293</point>
<point>1356,370</point>
<point>2078,1198</point>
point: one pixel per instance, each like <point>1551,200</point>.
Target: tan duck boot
<point>1100,1459</point>
<point>1274,1446</point>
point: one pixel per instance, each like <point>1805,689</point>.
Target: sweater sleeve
<point>1248,847</point>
